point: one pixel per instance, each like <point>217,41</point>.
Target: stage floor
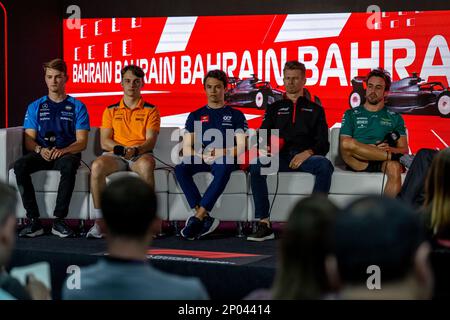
<point>230,267</point>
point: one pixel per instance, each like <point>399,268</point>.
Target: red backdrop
<point>176,52</point>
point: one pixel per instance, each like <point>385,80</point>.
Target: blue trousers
<point>319,166</point>
<point>221,172</point>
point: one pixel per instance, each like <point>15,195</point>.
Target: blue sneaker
<point>192,228</point>
<point>209,225</point>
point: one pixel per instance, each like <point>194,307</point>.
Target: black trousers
<point>413,189</point>
<point>32,162</point>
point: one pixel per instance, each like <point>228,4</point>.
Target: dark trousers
<point>185,177</point>
<point>319,166</point>
<point>413,189</point>
<point>33,162</point>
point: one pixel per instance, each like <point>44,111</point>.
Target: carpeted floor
<point>222,280</point>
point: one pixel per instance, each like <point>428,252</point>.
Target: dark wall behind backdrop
<point>35,30</point>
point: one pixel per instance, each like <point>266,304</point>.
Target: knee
<point>326,167</point>
<point>182,169</point>
<point>98,168</point>
<point>69,167</point>
<point>393,169</point>
<point>146,165</point>
<point>20,166</point>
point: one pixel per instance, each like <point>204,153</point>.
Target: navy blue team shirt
<point>222,119</point>
<point>61,119</point>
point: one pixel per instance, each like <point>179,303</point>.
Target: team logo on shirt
<point>227,121</point>
<point>204,118</point>
<point>68,108</point>
<point>45,106</point>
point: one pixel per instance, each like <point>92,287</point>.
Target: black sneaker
<point>209,225</point>
<point>32,229</point>
<point>192,228</point>
<point>61,229</point>
<point>263,232</point>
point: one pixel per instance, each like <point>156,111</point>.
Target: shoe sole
<point>181,232</point>
<point>91,236</point>
<point>37,233</point>
<point>59,234</point>
<point>213,227</point>
<point>269,237</point>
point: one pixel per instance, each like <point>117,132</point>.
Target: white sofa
<point>235,204</point>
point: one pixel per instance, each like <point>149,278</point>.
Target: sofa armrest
<point>11,149</point>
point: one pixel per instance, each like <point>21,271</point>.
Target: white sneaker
<point>94,232</point>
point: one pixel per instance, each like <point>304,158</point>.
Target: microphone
<point>391,138</point>
<point>119,150</point>
<point>50,139</point>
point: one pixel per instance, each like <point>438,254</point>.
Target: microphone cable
<point>275,195</point>
<point>384,172</point>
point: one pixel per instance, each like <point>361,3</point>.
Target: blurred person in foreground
<point>10,288</point>
<point>306,265</point>
<point>129,220</point>
<point>381,251</point>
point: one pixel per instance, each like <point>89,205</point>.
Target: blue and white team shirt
<point>222,119</point>
<point>60,119</point>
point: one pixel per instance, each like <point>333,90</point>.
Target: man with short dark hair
<point>366,142</point>
<point>56,131</point>
<point>303,127</point>
<point>128,135</point>
<point>129,217</point>
<point>381,251</point>
<point>220,132</point>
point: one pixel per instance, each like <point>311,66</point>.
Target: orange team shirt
<point>129,125</point>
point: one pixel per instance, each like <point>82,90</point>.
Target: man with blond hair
<point>56,131</point>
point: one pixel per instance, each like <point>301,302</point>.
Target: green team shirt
<point>371,127</point>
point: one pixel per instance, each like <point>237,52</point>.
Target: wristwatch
<point>38,149</point>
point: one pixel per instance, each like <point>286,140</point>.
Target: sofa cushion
<point>356,183</point>
<point>289,183</point>
<point>236,184</point>
<point>160,178</point>
<point>48,180</point>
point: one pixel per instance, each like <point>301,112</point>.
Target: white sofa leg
<point>176,227</point>
<point>240,229</point>
<point>160,232</point>
<point>82,227</point>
